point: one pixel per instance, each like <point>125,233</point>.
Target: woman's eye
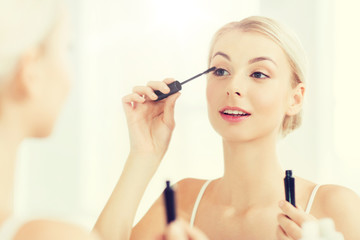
<point>221,72</point>
<point>259,75</point>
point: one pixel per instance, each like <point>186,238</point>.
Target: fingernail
<point>281,203</point>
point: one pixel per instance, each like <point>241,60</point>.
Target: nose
<point>236,86</point>
<point>236,92</point>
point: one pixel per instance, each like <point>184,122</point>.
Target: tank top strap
<point>197,202</point>
<point>312,198</point>
<point>10,227</point>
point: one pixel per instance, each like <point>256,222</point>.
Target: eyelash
<point>253,76</point>
<point>216,73</point>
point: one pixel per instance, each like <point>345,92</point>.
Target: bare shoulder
<point>335,199</point>
<point>55,230</point>
<point>187,191</point>
<point>154,221</point>
<point>342,205</point>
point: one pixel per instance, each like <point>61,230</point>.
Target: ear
<point>25,83</point>
<point>296,100</point>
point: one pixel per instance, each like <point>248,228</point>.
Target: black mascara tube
<point>169,197</point>
<point>177,86</point>
<point>289,182</point>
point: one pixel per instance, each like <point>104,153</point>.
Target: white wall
<point>120,44</point>
<point>346,91</point>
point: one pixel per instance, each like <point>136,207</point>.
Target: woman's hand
<point>290,221</point>
<point>180,230</point>
<point>150,123</point>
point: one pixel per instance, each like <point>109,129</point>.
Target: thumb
<point>191,233</point>
<point>169,109</point>
<point>197,234</point>
<point>175,232</point>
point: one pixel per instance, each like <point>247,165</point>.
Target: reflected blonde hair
<point>24,24</point>
<point>289,43</point>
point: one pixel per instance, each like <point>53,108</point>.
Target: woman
<point>33,85</point>
<point>254,96</point>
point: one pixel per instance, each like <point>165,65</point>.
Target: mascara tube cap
<point>174,88</point>
<point>169,197</point>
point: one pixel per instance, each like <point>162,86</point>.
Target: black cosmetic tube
<point>169,198</point>
<point>289,182</point>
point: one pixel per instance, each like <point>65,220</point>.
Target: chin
<point>42,134</point>
<point>42,131</point>
<point>45,134</point>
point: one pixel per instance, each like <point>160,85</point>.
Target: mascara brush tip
<point>210,70</point>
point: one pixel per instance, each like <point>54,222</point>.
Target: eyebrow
<point>259,59</point>
<point>251,61</point>
<point>222,54</point>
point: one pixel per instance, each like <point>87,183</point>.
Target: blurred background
<point>118,44</point>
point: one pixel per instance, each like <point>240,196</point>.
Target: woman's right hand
<point>150,123</point>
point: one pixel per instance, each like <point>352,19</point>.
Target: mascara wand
<point>177,86</point>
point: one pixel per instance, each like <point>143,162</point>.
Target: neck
<point>252,173</point>
<point>10,139</point>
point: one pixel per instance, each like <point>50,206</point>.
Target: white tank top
<point>203,188</point>
<point>10,227</point>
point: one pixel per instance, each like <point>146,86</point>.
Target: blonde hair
<point>23,24</point>
<point>290,44</point>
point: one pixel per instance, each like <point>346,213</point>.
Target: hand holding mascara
<point>169,199</point>
<point>177,86</point>
<point>289,182</point>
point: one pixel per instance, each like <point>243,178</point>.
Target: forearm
<point>116,220</point>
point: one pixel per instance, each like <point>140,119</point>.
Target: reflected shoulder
<point>55,230</point>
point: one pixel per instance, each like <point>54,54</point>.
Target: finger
<point>196,234</point>
<point>192,233</point>
<point>175,232</point>
<point>157,85</point>
<point>130,101</point>
<point>297,215</point>
<point>280,234</point>
<point>289,227</point>
<point>169,110</point>
<point>144,90</point>
<point>300,208</point>
<point>160,237</point>
<point>168,80</point>
<point>133,97</point>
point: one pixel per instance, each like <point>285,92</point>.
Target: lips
<point>234,114</point>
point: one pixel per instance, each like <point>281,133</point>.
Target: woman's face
<point>52,80</point>
<point>249,93</point>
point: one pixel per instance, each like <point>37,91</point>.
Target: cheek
<point>60,75</point>
<point>57,86</point>
<point>269,102</point>
<point>209,92</point>
<point>213,92</point>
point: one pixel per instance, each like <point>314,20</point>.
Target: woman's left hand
<point>180,230</point>
<point>290,221</point>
